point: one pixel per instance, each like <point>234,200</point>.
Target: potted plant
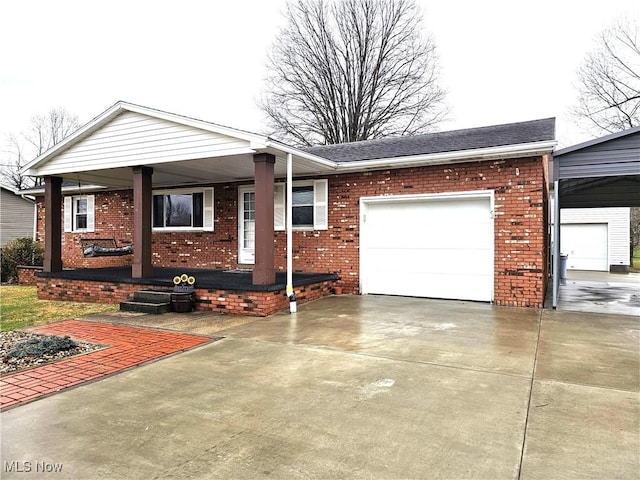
<point>182,298</point>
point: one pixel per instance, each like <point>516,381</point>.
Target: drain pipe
<point>293,307</point>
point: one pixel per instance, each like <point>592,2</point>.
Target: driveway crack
<point>529,406</point>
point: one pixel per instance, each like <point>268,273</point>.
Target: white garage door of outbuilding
<point>586,245</point>
<point>437,246</point>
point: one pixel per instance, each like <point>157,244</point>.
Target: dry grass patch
<point>20,307</point>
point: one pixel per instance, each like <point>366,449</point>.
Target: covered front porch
<point>128,161</point>
<point>218,290</point>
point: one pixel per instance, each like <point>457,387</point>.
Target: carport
<point>604,172</point>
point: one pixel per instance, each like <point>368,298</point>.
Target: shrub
<point>41,346</point>
<point>19,251</point>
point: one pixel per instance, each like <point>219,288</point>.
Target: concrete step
<point>152,296</point>
<point>145,307</point>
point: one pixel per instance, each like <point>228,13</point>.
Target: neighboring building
<point>17,215</point>
<point>596,238</point>
<point>457,215</point>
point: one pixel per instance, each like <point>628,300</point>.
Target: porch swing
<point>103,247</point>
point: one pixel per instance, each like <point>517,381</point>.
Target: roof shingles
<point>439,142</point>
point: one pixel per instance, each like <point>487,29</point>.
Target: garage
<point>587,246</point>
<point>437,246</point>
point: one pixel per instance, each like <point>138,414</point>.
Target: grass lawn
<point>636,261</point>
<point>20,307</point>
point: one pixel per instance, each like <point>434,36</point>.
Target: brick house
<point>458,215</point>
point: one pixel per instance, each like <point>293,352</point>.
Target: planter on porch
<point>182,298</point>
<point>182,302</point>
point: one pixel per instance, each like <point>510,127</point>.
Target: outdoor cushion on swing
<point>104,247</point>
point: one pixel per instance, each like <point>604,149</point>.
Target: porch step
<point>152,296</point>
<point>148,301</point>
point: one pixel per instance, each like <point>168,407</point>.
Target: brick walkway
<point>126,347</point>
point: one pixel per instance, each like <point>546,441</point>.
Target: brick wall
<point>520,225</point>
<point>27,274</point>
<point>259,304</point>
<point>113,219</point>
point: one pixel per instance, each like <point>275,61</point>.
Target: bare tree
<point>609,81</point>
<point>43,133</point>
<point>635,230</point>
<point>13,160</point>
<point>348,70</point>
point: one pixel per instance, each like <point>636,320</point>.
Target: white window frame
<point>208,204</point>
<point>320,205</point>
<point>70,214</point>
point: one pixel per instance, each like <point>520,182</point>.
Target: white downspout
<point>293,308</point>
<point>556,243</point>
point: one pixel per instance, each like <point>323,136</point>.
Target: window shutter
<point>320,205</point>
<point>208,210</point>
<point>279,206</point>
<point>91,216</point>
<point>68,214</point>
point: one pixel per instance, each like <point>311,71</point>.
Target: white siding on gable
<point>135,139</point>
<point>618,220</point>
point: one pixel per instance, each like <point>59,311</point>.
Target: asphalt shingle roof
<point>439,142</point>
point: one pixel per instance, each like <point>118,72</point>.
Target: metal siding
<point>16,219</point>
<point>620,156</point>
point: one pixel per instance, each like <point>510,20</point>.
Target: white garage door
<point>586,245</point>
<point>438,247</point>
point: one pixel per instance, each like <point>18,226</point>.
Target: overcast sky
<point>501,61</point>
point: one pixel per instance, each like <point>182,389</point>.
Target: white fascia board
<point>286,149</point>
<point>67,189</point>
<point>104,117</point>
<point>458,156</point>
<point>157,161</point>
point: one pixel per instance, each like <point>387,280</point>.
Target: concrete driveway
<point>355,387</point>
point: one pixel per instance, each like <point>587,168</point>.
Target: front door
<point>246,225</point>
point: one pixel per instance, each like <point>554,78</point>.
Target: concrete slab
<point>580,432</point>
<point>590,349</point>
<point>601,292</point>
<point>461,334</point>
<point>246,409</point>
<point>357,387</point>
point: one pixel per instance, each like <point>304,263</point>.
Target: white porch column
<point>289,217</point>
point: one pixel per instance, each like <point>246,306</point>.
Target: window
<point>79,213</point>
<point>309,205</point>
<point>182,209</point>
<point>302,209</point>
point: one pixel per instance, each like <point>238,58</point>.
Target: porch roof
<point>181,150</point>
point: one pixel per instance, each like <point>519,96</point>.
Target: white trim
<point>69,214</point>
<point>242,252</point>
<point>366,201</point>
<point>279,207</point>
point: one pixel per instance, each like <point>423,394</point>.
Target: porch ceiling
<point>195,171</point>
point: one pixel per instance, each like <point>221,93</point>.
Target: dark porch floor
<point>210,279</point>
